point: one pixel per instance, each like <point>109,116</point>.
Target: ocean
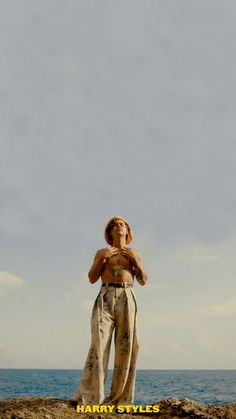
<point>207,386</point>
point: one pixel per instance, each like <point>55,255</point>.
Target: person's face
<point>119,228</point>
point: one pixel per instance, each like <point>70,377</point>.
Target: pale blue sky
<point>118,108</point>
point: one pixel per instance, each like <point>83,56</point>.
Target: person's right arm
<point>99,262</point>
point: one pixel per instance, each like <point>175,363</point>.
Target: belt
<point>117,284</point>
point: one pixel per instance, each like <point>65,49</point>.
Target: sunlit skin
<point>118,263</point>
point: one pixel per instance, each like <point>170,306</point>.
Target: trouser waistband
<point>117,284</point>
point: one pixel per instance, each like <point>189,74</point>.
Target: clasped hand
<point>125,251</point>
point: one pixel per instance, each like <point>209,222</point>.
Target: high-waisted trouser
<point>114,309</point>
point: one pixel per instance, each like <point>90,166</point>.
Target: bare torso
<point>118,269</point>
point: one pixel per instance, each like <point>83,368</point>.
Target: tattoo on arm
<point>139,275</point>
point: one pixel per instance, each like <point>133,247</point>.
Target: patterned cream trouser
<point>114,309</point>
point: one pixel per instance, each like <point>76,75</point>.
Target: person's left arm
<point>136,260</point>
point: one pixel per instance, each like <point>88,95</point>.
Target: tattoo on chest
<point>116,273</point>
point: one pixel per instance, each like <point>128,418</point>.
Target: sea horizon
<point>210,386</point>
<point>110,369</point>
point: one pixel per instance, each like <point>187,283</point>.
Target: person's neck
<point>119,242</point>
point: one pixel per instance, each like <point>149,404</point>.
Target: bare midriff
<point>118,269</point>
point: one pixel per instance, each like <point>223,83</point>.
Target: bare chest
<point>119,260</point>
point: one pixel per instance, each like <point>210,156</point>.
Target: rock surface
<point>51,408</point>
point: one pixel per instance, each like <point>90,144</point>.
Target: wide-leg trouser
<point>114,309</point>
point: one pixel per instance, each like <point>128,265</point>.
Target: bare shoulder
<point>98,255</point>
<point>100,252</point>
<point>137,252</point>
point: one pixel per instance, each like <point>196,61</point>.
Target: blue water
<point>208,386</point>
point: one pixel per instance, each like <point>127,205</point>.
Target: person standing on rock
<point>115,309</point>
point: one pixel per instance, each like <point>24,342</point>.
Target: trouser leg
<point>126,348</point>
<point>91,387</point>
